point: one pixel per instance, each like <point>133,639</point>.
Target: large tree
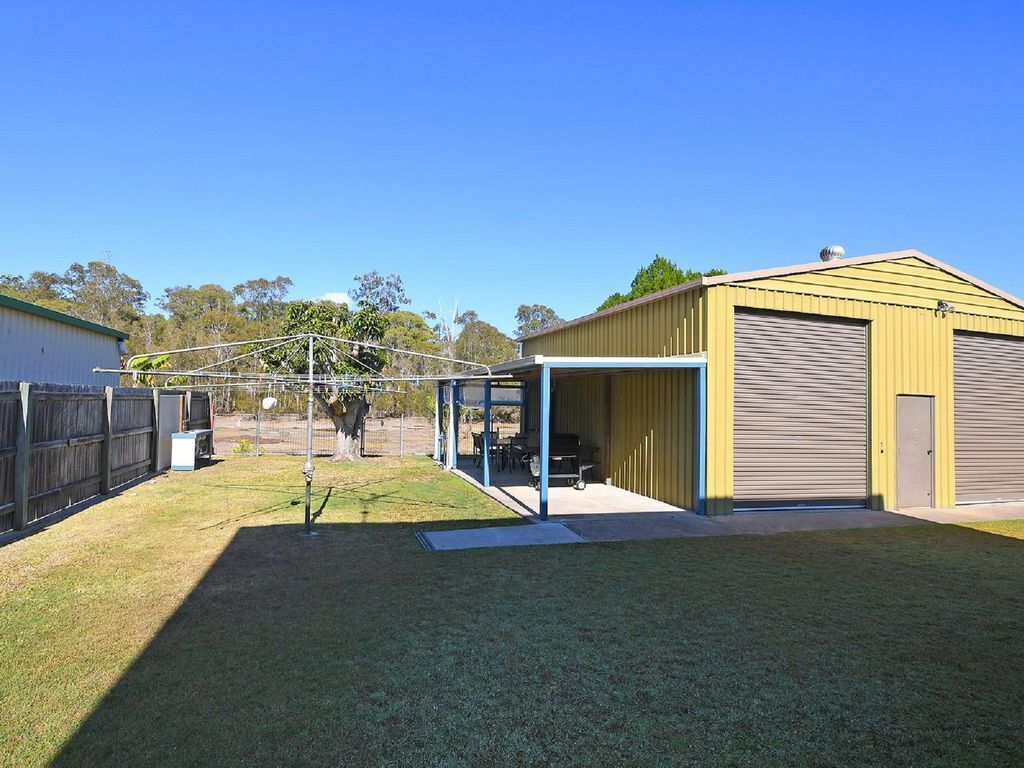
<point>386,293</point>
<point>408,331</point>
<point>661,273</point>
<point>105,295</point>
<point>534,318</point>
<point>185,304</point>
<point>96,291</point>
<point>447,326</point>
<point>43,288</point>
<point>481,342</point>
<point>262,300</point>
<point>346,405</point>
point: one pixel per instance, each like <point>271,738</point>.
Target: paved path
<point>501,536</point>
<point>580,529</point>
<point>686,524</point>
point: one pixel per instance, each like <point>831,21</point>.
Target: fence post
<point>259,411</point>
<point>155,444</point>
<point>362,435</point>
<point>107,455</point>
<point>401,435</point>
<point>23,459</point>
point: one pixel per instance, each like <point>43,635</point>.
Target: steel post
<point>307,469</point>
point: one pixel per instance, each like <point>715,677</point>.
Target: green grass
<point>186,623</point>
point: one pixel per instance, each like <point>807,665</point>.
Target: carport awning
<point>534,363</point>
<point>542,366</point>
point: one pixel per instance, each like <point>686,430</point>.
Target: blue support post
<point>438,409</point>
<point>487,433</point>
<point>455,431</point>
<point>449,444</point>
<point>702,439</point>
<point>545,437</point>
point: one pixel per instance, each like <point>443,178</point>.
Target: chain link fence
<point>285,433</point>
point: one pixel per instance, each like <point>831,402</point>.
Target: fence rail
<point>61,444</point>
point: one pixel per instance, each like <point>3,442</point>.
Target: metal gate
<point>800,411</point>
<point>988,417</point>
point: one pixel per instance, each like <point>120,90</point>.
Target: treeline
<point>209,314</point>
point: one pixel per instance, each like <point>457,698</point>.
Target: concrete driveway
<point>681,524</point>
<point>604,513</point>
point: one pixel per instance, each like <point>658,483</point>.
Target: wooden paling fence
<point>61,444</point>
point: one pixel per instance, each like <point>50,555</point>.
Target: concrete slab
<point>969,513</point>
<point>685,524</point>
<point>513,491</point>
<point>501,536</point>
<point>605,513</point>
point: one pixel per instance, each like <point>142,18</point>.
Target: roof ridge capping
<point>759,274</point>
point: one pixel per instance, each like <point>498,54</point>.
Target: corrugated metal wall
<point>579,405</point>
<point>642,421</point>
<point>910,352</point>
<point>907,282</point>
<point>671,326</point>
<point>34,348</point>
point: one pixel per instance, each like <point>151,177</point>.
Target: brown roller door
<point>801,395</point>
<point>988,415</point>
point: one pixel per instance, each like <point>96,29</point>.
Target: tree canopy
<point>385,293</point>
<point>96,291</point>
<point>534,318</point>
<point>660,274</point>
<point>481,342</point>
<point>185,316</point>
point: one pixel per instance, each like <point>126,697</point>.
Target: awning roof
<point>526,365</point>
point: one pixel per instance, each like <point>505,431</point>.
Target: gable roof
<point>759,274</point>
<point>51,314</point>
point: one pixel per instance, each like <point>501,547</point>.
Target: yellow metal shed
<point>914,311</point>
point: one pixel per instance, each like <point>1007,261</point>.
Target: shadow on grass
<point>260,665</point>
<point>357,648</point>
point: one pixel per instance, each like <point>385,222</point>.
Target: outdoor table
<point>503,449</point>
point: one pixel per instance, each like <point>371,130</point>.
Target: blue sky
<point>494,153</point>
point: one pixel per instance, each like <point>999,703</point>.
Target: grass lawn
<point>186,623</point>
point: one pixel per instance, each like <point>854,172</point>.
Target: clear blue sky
<point>506,152</point>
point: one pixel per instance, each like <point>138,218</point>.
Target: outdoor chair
<point>478,447</point>
<point>519,452</point>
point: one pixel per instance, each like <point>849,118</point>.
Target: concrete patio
<point>511,488</point>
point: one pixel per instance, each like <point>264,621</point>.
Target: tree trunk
<point>347,417</point>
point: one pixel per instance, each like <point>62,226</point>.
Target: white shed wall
<point>34,348</point>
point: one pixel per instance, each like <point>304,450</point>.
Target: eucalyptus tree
<point>534,318</point>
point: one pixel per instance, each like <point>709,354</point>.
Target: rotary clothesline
<point>283,373</point>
